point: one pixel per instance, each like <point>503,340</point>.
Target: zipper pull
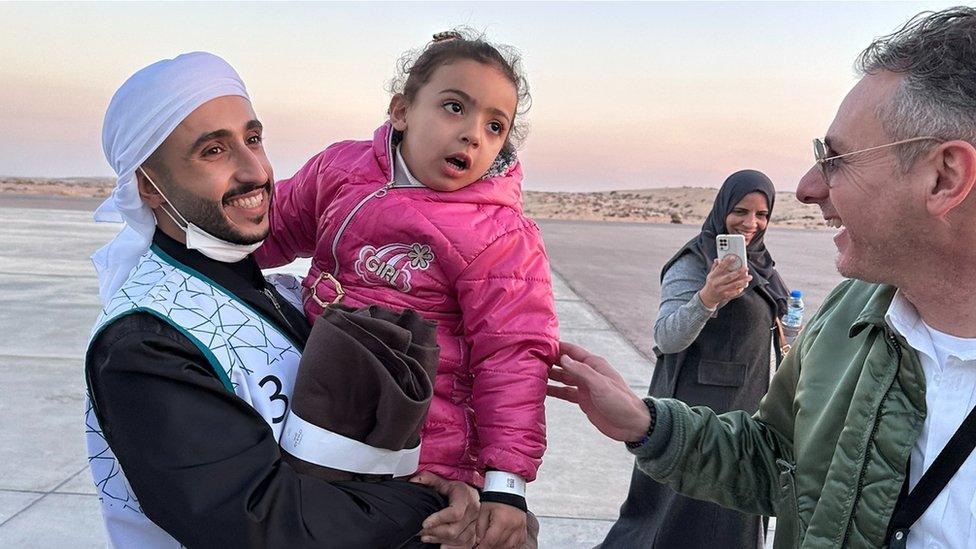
<point>274,301</point>
<point>383,190</point>
<point>785,466</point>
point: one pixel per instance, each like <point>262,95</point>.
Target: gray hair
<point>936,53</point>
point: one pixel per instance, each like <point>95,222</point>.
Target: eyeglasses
<point>827,164</point>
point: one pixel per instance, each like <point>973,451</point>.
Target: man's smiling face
<point>214,170</point>
<point>865,193</point>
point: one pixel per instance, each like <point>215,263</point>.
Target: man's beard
<point>209,215</point>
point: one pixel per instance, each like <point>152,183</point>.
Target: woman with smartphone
<point>717,344</point>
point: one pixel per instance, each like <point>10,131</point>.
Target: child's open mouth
<point>458,163</point>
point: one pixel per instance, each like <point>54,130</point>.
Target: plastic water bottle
<point>793,320</point>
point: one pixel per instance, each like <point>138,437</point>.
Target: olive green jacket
<point>827,451</point>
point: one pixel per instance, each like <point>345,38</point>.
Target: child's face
<point>456,125</point>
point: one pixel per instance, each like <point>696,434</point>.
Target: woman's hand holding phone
<point>723,284</point>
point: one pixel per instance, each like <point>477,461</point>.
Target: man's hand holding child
<point>501,526</point>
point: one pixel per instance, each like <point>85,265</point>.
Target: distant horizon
<point>524,187</point>
<point>635,189</point>
<point>625,95</point>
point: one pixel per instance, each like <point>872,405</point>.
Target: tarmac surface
<point>616,267</point>
<point>606,287</point>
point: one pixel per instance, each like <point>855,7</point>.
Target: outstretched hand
<point>602,394</point>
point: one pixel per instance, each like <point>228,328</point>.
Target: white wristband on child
<point>508,483</point>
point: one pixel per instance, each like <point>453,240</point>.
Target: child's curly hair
<point>415,67</point>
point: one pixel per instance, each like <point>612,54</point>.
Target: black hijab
<point>761,264</point>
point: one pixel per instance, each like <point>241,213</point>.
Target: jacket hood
<point>501,186</point>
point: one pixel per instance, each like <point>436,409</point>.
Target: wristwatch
<point>633,445</point>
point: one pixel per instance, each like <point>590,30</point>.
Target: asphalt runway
<point>616,267</point>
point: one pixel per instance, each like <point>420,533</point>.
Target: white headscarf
<point>141,115</point>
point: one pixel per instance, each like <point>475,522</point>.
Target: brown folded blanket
<point>366,374</point>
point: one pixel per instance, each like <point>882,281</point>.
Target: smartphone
<point>732,244</point>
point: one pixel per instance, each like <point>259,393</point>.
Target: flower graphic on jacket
<point>391,264</point>
<point>420,256</point>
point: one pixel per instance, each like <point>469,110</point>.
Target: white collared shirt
<point>949,364</point>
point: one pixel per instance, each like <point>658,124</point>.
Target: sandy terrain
<point>78,187</point>
<point>686,205</point>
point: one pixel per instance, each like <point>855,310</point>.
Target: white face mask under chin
<point>204,242</point>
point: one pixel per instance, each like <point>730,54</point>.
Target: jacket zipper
<point>787,484</point>
<point>874,431</point>
<point>378,193</point>
<point>274,301</point>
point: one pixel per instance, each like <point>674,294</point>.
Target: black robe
<point>158,396</point>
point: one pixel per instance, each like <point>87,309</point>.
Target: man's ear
<point>147,192</point>
<point>398,112</point>
<point>955,166</point>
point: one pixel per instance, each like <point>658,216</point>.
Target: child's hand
<point>501,526</point>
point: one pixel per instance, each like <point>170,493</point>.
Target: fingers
<point>462,507</point>
<point>465,540</point>
<point>724,265</point>
<point>581,357</point>
<point>580,372</point>
<point>716,264</point>
<point>446,516</point>
<point>456,534</point>
<point>484,520</point>
<point>729,285</point>
<point>727,277</point>
<point>593,365</point>
<point>574,351</point>
<point>734,286</point>
<point>722,284</point>
<point>453,525</point>
<point>469,536</point>
<point>494,537</point>
<point>559,374</point>
<point>569,394</point>
<point>469,502</point>
<point>430,479</point>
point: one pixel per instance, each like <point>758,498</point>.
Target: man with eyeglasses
<point>866,436</point>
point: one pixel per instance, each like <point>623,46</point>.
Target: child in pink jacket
<point>428,216</point>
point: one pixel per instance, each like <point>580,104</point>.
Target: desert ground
<point>684,205</point>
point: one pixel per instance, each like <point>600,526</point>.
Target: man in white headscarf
<point>192,363</point>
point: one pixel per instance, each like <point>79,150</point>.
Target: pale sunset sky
<point>625,95</point>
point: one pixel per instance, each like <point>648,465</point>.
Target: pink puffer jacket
<point>468,259</point>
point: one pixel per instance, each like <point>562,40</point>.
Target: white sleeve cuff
<point>508,483</point>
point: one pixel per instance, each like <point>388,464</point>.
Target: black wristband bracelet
<point>633,445</point>
<point>514,500</point>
